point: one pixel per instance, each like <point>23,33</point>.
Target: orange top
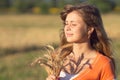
<point>101,69</point>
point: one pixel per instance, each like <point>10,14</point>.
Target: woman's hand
<point>52,77</point>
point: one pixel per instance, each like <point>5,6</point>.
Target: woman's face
<point>76,30</point>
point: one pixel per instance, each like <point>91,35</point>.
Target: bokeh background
<point>26,26</point>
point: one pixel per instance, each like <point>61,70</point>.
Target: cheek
<point>81,33</point>
<point>80,30</point>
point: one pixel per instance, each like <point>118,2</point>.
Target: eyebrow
<point>71,21</point>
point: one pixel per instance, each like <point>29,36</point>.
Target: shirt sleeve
<point>107,71</point>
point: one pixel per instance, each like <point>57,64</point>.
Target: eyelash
<point>71,24</point>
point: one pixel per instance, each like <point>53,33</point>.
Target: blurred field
<point>18,32</point>
<point>23,30</point>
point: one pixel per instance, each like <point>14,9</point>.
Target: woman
<point>91,55</point>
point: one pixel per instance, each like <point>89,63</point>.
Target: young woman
<point>91,55</point>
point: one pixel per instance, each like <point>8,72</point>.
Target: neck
<point>81,48</point>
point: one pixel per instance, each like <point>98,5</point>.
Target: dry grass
<point>22,30</point>
<point>112,23</point>
<point>25,21</point>
<point>27,37</point>
<point>25,30</point>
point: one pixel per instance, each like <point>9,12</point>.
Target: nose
<point>68,27</point>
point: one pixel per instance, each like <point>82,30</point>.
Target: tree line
<point>52,6</point>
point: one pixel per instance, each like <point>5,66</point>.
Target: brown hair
<point>91,16</point>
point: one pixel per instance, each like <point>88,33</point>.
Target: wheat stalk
<point>54,60</point>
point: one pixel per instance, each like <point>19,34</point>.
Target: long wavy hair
<point>91,16</point>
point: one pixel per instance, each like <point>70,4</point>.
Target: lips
<point>69,34</point>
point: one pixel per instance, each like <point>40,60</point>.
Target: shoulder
<point>103,59</point>
<point>107,68</point>
<point>106,64</point>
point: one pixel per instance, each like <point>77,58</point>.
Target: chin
<point>70,41</point>
<point>74,41</point>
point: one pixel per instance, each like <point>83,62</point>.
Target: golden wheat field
<point>21,31</point>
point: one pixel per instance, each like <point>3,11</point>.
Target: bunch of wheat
<point>54,60</point>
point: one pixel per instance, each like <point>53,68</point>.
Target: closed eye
<point>74,24</point>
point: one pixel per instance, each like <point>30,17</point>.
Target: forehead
<point>74,16</point>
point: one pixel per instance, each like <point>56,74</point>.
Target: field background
<point>21,38</point>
